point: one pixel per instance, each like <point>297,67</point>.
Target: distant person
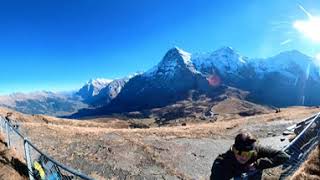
<point>12,123</point>
<point>246,157</point>
<point>9,114</point>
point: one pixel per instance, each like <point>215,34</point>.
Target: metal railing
<point>40,165</point>
<point>308,137</point>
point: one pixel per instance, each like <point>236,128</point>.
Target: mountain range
<point>287,79</point>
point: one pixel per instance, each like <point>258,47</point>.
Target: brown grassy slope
<point>191,129</point>
<point>11,168</point>
<point>105,149</point>
<point>93,146</point>
<point>198,107</point>
<point>217,129</point>
<point>311,168</point>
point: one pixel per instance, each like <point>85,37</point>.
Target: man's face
<point>242,159</point>
<point>243,156</point>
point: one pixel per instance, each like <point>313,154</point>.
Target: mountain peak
<point>179,53</point>
<point>226,49</point>
<point>174,59</point>
<point>93,87</point>
<point>294,53</point>
<point>288,57</point>
<point>99,81</point>
<point>223,60</point>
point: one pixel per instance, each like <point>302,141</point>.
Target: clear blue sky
<point>61,44</point>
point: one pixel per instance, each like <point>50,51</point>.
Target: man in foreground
<point>244,157</point>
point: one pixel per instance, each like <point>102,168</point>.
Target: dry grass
<point>311,168</point>
<point>196,130</point>
<point>234,106</point>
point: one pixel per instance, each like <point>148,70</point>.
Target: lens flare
<point>214,80</point>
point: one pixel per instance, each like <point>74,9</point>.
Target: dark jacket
<point>226,165</point>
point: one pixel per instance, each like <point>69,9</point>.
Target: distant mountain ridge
<point>289,78</point>
<point>43,102</point>
<point>93,87</point>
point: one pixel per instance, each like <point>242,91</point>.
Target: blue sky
<point>61,44</point>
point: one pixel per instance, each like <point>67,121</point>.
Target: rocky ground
<point>110,149</point>
<point>11,167</point>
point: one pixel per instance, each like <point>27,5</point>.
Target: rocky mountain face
<point>167,82</point>
<point>92,88</point>
<point>107,93</point>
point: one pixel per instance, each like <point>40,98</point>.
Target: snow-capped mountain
<point>166,82</point>
<point>93,88</point>
<point>225,65</point>
<point>174,61</point>
<point>289,78</point>
<point>223,61</point>
<point>94,93</point>
<point>109,92</point>
<point>226,61</point>
<point>289,63</point>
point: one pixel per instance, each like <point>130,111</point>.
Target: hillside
<point>108,148</point>
<point>195,106</point>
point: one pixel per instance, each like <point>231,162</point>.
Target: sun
<point>318,57</point>
<point>309,28</point>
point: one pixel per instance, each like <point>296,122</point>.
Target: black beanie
<point>244,142</point>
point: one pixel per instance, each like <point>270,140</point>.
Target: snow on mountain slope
<point>174,60</point>
<point>93,87</point>
<point>109,92</point>
<point>224,60</point>
<point>289,63</point>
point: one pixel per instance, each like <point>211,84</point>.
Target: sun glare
<point>309,28</point>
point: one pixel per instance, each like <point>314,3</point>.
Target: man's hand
<point>252,167</point>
